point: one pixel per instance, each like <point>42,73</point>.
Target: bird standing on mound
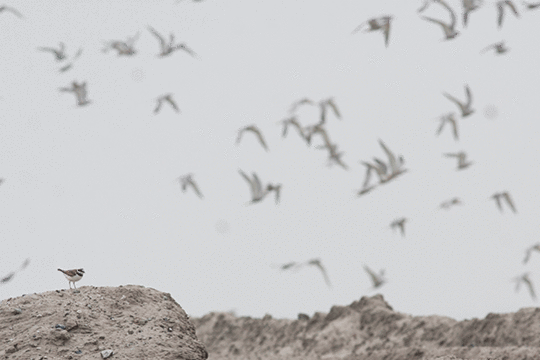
<point>73,275</point>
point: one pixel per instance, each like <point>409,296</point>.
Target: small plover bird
<point>11,10</point>
<point>170,47</point>
<point>506,196</point>
<point>122,47</point>
<point>187,180</point>
<point>399,223</point>
<point>465,107</point>
<point>462,159</point>
<point>528,252</point>
<point>379,23</point>
<point>73,276</point>
<point>378,280</point>
<point>450,203</point>
<point>168,98</point>
<point>450,31</point>
<point>525,280</point>
<point>80,92</point>
<point>500,48</point>
<point>254,129</point>
<point>500,8</point>
<point>451,119</point>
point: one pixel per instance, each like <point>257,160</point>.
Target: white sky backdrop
<point>96,187</point>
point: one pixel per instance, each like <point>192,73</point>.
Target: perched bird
<point>73,275</point>
<point>462,159</point>
<point>380,23</point>
<point>500,48</point>
<point>378,280</point>
<point>527,281</point>
<point>450,203</point>
<point>399,223</point>
<point>59,54</point>
<point>125,48</point>
<point>254,129</point>
<point>500,9</point>
<point>11,10</point>
<point>318,264</point>
<point>187,180</point>
<point>528,252</point>
<point>170,47</point>
<point>468,7</point>
<point>506,196</point>
<point>466,108</point>
<point>80,92</point>
<point>450,31</point>
<point>168,98</point>
<point>451,119</point>
<point>531,6</point>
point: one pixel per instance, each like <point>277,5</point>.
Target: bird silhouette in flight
<point>499,47</point>
<point>499,196</point>
<point>462,159</point>
<point>167,48</point>
<point>375,24</point>
<point>255,130</point>
<point>187,180</point>
<point>377,280</point>
<point>528,252</point>
<point>465,107</point>
<point>525,279</point>
<point>500,10</point>
<point>168,98</point>
<point>449,118</point>
<point>80,92</point>
<point>449,30</point>
<point>399,224</point>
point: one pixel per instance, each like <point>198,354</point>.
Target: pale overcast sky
<point>96,186</point>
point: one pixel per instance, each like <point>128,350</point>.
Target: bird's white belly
<point>73,278</point>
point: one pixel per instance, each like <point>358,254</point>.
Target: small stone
<point>17,311</point>
<point>60,327</point>
<point>106,353</point>
<point>78,351</point>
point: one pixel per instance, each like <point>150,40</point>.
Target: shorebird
<point>11,10</point>
<point>466,108</point>
<point>380,23</point>
<point>80,92</point>
<point>528,252</point>
<point>187,180</point>
<point>462,159</point>
<point>168,98</point>
<point>500,9</point>
<point>170,47</point>
<point>468,7</point>
<point>527,281</point>
<point>73,276</point>
<point>531,6</point>
<point>500,48</point>
<point>399,223</point>
<point>254,129</point>
<point>122,47</point>
<point>59,54</point>
<point>450,203</point>
<point>450,31</point>
<point>451,119</point>
<point>378,280</point>
<point>506,196</point>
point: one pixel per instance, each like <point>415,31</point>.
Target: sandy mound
<point>371,329</point>
<point>132,321</point>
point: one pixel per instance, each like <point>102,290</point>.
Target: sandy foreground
<point>134,322</point>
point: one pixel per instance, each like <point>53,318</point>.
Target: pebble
<point>106,353</point>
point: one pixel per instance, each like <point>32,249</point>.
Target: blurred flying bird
<point>122,47</point>
<point>451,119</point>
<point>276,189</point>
<point>378,280</point>
<point>258,192</point>
<point>395,163</point>
<point>531,6</point>
<point>468,7</point>
<point>12,274</point>
<point>254,129</point>
<point>318,264</point>
<point>500,48</point>
<point>399,223</point>
<point>527,281</point>
<point>462,159</point>
<point>69,65</point>
<point>59,54</point>
<point>380,23</point>
<point>170,47</point>
<point>298,103</point>
<point>466,108</point>
<point>450,31</point>
<point>506,196</point>
<point>500,8</point>
<point>168,98</point>
<point>528,252</point>
<point>11,10</point>
<point>450,203</point>
<point>324,104</point>
<point>294,122</point>
<point>426,5</point>
<point>80,92</point>
<point>187,180</point>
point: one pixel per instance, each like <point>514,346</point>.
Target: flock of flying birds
<point>385,170</point>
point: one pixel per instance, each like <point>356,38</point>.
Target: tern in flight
<point>399,224</point>
<point>451,119</point>
<point>80,92</point>
<point>11,10</point>
<point>313,262</point>
<point>528,252</point>
<point>378,280</point>
<point>170,47</point>
<point>462,159</point>
<point>465,107</point>
<point>187,180</point>
<point>375,24</point>
<point>258,192</point>
<point>468,7</point>
<point>255,130</point>
<point>524,279</point>
<point>125,48</point>
<point>168,98</point>
<point>531,6</point>
<point>450,203</point>
<point>500,9</point>
<point>500,48</point>
<point>59,54</point>
<point>499,196</point>
<point>450,31</point>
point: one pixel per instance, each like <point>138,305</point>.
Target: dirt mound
<point>371,329</point>
<point>133,321</point>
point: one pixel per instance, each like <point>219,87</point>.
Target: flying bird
<point>451,119</point>
<point>167,48</point>
<point>524,279</point>
<point>7,278</point>
<point>258,192</point>
<point>450,31</point>
<point>318,264</point>
<point>59,54</point>
<point>399,224</point>
<point>468,7</point>
<point>125,48</point>
<point>168,98</point>
<point>378,280</point>
<point>462,159</point>
<point>531,6</point>
<point>69,65</point>
<point>11,10</point>
<point>500,48</point>
<point>500,9</point>
<point>381,23</point>
<point>187,180</point>
<point>465,107</point>
<point>498,197</point>
<point>450,203</point>
<point>80,92</point>
<point>324,104</point>
<point>298,103</point>
<point>528,252</point>
<point>395,163</point>
<point>255,130</point>
<point>292,121</point>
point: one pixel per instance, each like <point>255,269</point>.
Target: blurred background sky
<point>96,186</point>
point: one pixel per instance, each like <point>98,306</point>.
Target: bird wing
<point>260,137</point>
<point>386,29</point>
<point>158,106</point>
<point>317,263</point>
<point>500,16</point>
<point>509,201</point>
<point>454,100</point>
<point>445,26</point>
<point>251,182</point>
<point>160,38</point>
<point>258,190</point>
<point>357,29</point>
<point>469,96</point>
<point>529,284</point>
<point>374,277</point>
<point>391,156</point>
<point>498,200</point>
<point>454,127</point>
<point>13,11</point>
<point>173,104</point>
<point>239,136</point>
<point>453,18</point>
<point>512,7</point>
<point>195,188</point>
<point>333,105</point>
<point>187,49</point>
<point>367,177</point>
